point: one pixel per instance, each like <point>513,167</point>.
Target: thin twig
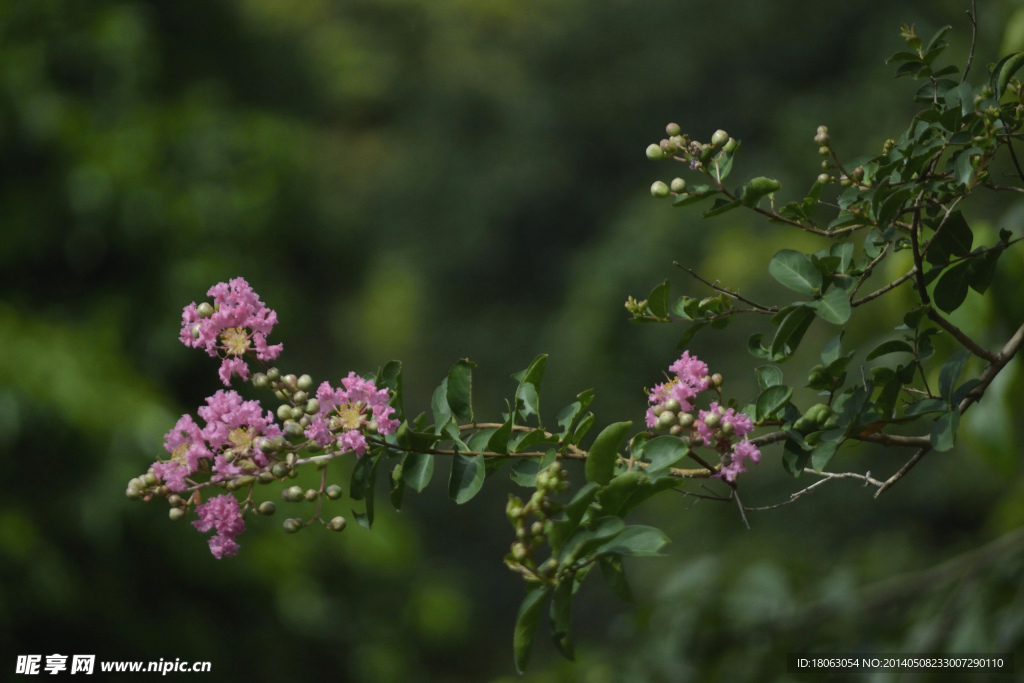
<point>735,295</point>
<point>739,504</point>
<point>972,14</point>
<point>879,292</point>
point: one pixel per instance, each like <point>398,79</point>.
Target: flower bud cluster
<point>718,428</point>
<point>681,147</point>
<point>532,519</point>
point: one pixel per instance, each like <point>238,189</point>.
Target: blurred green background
<point>429,181</point>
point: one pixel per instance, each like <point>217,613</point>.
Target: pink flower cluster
<point>719,436</point>
<point>223,514</point>
<point>237,323</point>
<point>346,412</point>
<point>233,428</point>
<point>691,378</point>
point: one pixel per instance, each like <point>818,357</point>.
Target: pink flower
<point>742,450</point>
<point>223,514</point>
<point>345,412</point>
<point>691,378</point>
<point>238,325</point>
<point>186,445</point>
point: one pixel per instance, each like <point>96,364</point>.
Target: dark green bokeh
<point>430,181</point>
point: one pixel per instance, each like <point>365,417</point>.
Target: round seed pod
<point>334,492</point>
<point>267,508</point>
<point>337,524</point>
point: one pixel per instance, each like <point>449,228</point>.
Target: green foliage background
<point>429,181</point>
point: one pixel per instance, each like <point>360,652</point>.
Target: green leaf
<point>834,307</point>
<point>527,621</point>
<point>823,452</point>
<point>963,171</point>
<point>944,430</point>
<point>768,376</point>
<point>364,475</point>
<point>417,469</point>
<point>604,453</point>
<point>635,541</point>
<point>583,541</point>
<point>527,440</point>
<point>721,206</point>
<point>937,38</point>
<point>983,269</point>
<point>561,618</point>
<point>796,272</point>
<point>467,477</point>
<point>528,391</point>
<point>390,376</point>
<point>791,331</point>
<point>794,457</point>
<point>440,408</point>
<point>695,194</point>
<point>954,238</point>
<point>664,452</point>
<point>629,489</point>
<point>585,423</point>
<point>754,347</point>
<point>524,470</point>
<point>950,372</point>
<point>497,442</point>
<point>844,251</point>
<point>460,390</point>
<point>565,525</point>
<point>833,349</point>
<point>611,569</point>
<point>891,346</point>
<point>1007,67</point>
<point>771,400</point>
<point>951,290</point>
<point>397,487</point>
<point>658,299</point>
<point>928,405</point>
<point>690,332</point>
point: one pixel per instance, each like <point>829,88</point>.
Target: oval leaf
<point>796,272</point>
<point>605,452</point>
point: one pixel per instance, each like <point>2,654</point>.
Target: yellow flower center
<point>241,440</point>
<point>235,340</point>
<point>179,453</point>
<point>350,416</point>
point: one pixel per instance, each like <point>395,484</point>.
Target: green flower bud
<point>333,492</point>
<point>672,405</point>
<point>519,552</point>
<point>658,410</point>
<point>337,524</point>
<point>195,330</point>
<point>371,427</point>
<point>676,430</point>
<point>542,480</point>
<point>716,379</point>
<point>305,421</point>
<point>857,173</point>
<point>824,179</point>
<point>728,429</point>
<point>292,381</point>
<point>273,374</point>
<point>312,406</point>
<point>149,479</point>
<point>713,420</point>
<point>292,428</point>
<point>659,190</point>
<point>678,185</point>
<point>824,151</point>
<point>205,310</point>
<point>260,381</point>
<point>279,470</point>
<point>174,500</point>
<point>292,494</point>
<point>297,413</point>
<point>265,478</point>
<point>822,130</point>
<point>175,514</point>
<point>730,145</point>
<point>266,508</point>
<point>719,138</point>
<point>292,525</point>
<point>133,493</point>
<point>686,420</point>
<point>311,495</point>
<point>822,139</point>
<point>537,528</point>
<point>666,420</point>
<point>281,396</point>
<point>305,382</point>
<point>555,467</point>
<point>673,129</point>
<point>655,152</point>
<point>284,411</point>
<point>300,397</point>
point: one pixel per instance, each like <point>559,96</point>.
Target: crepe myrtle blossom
<point>742,450</point>
<point>223,514</point>
<point>236,324</point>
<point>346,413</point>
<point>691,378</point>
<point>718,424</point>
<point>233,429</point>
